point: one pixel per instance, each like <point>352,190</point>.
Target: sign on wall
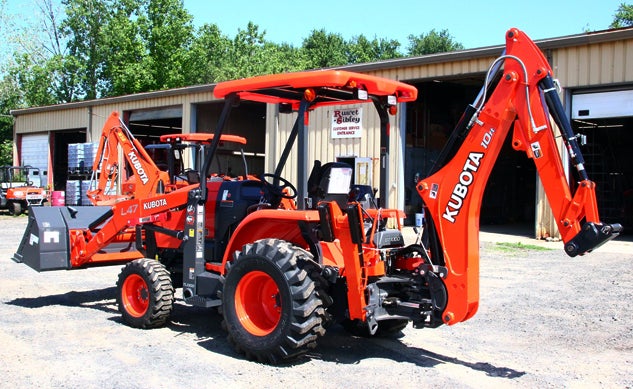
<point>346,123</point>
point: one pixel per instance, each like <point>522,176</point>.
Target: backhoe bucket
<point>45,244</point>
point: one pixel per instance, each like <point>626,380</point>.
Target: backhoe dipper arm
<point>148,178</point>
<point>525,96</point>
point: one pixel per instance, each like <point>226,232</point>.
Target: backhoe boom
<point>147,179</point>
<point>524,97</point>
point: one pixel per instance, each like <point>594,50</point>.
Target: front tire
<point>272,311</point>
<point>15,208</point>
<point>145,294</point>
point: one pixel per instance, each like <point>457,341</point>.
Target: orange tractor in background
<point>282,263</point>
<point>20,187</point>
<point>137,174</point>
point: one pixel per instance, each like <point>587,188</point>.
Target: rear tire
<point>145,294</point>
<point>271,308</point>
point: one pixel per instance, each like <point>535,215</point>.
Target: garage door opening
<point>147,126</point>
<point>247,120</point>
<point>510,195</point>
<point>61,140</point>
<point>607,153</point>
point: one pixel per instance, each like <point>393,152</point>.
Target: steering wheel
<point>279,191</point>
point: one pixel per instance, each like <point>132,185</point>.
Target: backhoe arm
<point>147,179</point>
<point>526,97</point>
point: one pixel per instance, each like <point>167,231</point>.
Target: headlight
<point>18,193</point>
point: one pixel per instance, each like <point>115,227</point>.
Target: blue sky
<point>472,23</point>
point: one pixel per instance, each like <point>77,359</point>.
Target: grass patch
<point>509,247</point>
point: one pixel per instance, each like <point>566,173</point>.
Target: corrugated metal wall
<point>430,71</point>
<point>72,117</point>
<point>51,120</point>
<point>596,64</point>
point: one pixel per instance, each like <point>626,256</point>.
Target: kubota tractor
<point>18,190</point>
<point>282,263</point>
<point>137,175</point>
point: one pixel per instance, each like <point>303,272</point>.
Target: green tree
<point>245,54</point>
<point>112,47</point>
<point>85,29</point>
<point>360,49</point>
<point>207,55</point>
<point>215,57</point>
<point>120,47</point>
<point>623,16</point>
<point>36,60</point>
<point>64,70</point>
<point>9,99</point>
<point>167,28</point>
<point>323,50</point>
<point>432,42</point>
<point>123,69</point>
<point>34,80</point>
<point>281,58</point>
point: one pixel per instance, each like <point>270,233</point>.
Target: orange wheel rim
<point>258,303</point>
<point>135,295</point>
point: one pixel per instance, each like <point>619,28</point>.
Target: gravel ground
<point>545,320</point>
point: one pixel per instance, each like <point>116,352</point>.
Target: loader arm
<point>147,179</point>
<point>524,97</point>
<point>87,242</point>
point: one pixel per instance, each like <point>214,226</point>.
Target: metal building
<point>595,70</point>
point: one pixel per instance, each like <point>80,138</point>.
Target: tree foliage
<point>125,69</point>
<point>206,56</point>
<point>432,42</point>
<point>323,49</point>
<point>361,49</point>
<point>104,48</point>
<point>167,30</point>
<point>623,16</point>
<point>245,54</point>
<point>89,49</point>
<point>84,29</point>
<point>9,98</point>
<point>100,48</point>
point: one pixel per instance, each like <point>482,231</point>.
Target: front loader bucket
<point>45,244</point>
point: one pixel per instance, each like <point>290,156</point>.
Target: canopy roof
<point>201,137</point>
<point>331,87</point>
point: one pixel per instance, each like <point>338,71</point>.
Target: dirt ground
<point>545,320</point>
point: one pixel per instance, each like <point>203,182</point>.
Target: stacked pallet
<point>73,192</point>
<point>76,192</point>
<point>81,157</point>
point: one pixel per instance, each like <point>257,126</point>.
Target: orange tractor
<point>138,175</point>
<point>18,191</point>
<point>282,263</point>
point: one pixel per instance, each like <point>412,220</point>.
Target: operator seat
<point>193,177</point>
<point>329,182</point>
<point>364,194</point>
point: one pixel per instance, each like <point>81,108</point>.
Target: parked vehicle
<point>280,268</point>
<point>20,187</point>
